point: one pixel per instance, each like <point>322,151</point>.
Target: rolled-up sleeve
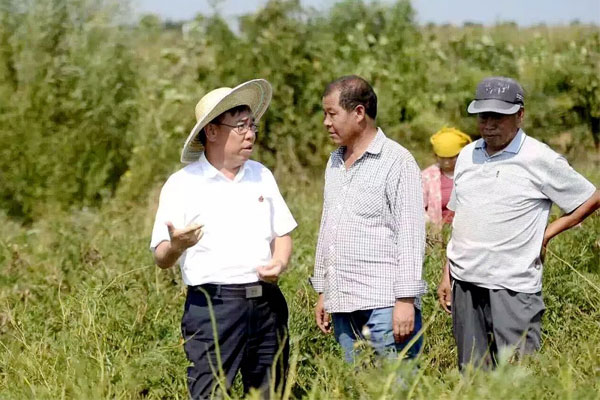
<point>407,208</point>
<point>318,279</point>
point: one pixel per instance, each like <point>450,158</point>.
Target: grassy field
<point>84,314</point>
<point>93,113</point>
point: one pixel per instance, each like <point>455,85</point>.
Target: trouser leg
<point>265,362</point>
<point>516,320</point>
<point>471,324</point>
<point>380,325</point>
<point>347,329</point>
<point>214,363</point>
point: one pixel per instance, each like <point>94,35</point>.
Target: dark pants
<point>486,321</point>
<point>252,337</point>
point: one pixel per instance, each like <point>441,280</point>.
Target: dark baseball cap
<point>497,94</point>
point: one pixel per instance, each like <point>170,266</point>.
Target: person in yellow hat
<point>223,219</point>
<point>438,178</point>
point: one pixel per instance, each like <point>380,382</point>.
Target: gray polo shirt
<point>502,204</point>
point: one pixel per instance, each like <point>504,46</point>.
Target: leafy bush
<point>67,105</point>
<point>91,106</point>
<point>94,111</point>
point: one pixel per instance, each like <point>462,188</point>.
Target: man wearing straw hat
<point>223,218</point>
<point>504,186</point>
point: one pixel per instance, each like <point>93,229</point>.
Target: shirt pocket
<point>367,201</point>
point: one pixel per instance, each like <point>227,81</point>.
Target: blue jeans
<point>348,328</point>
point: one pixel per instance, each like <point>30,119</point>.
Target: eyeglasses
<point>242,127</point>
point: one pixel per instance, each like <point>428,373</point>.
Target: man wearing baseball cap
<point>223,219</point>
<point>504,186</point>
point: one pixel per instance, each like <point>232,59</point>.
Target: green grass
<point>94,112</point>
<point>84,314</point>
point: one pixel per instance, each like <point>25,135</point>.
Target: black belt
<point>240,290</point>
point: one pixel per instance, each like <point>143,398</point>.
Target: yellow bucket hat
<point>448,142</point>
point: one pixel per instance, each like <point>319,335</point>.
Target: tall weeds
<point>93,113</point>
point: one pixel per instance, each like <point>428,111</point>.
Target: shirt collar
<point>338,154</point>
<point>210,172</point>
<point>374,147</point>
<point>377,143</point>
<point>513,147</point>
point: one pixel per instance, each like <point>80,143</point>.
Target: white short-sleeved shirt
<point>502,205</point>
<point>241,217</point>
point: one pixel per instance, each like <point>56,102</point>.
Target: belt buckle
<point>253,291</point>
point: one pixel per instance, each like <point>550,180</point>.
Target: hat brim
<point>493,105</point>
<point>256,94</point>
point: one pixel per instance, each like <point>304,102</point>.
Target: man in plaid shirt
<point>369,256</point>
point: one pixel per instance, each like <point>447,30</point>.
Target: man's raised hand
<point>185,238</point>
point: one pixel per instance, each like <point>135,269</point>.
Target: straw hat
<point>255,93</point>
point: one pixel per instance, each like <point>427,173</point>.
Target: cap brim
<point>256,94</point>
<point>492,105</point>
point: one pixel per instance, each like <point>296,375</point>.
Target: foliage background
<point>93,114</point>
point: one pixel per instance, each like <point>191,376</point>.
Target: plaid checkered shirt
<point>372,236</point>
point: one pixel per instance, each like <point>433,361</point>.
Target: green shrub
<point>67,105</point>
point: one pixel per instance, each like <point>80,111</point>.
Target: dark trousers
<point>251,337</point>
<point>486,321</point>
